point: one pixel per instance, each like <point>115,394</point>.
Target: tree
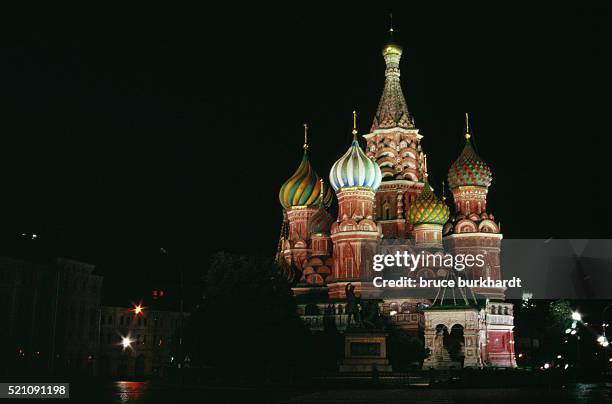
<point>247,321</point>
<point>559,316</point>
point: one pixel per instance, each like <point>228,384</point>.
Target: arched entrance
<point>455,344</point>
<point>452,337</point>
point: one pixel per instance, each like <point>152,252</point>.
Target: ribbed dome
<point>320,222</point>
<point>469,169</point>
<point>303,188</point>
<point>427,208</point>
<point>355,169</point>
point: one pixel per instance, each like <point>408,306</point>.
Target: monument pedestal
<point>364,352</point>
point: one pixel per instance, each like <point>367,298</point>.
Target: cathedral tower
<point>301,198</point>
<point>471,229</point>
<point>395,144</point>
<point>355,235</point>
<point>427,214</point>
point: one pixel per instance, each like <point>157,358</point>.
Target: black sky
<point>123,131</point>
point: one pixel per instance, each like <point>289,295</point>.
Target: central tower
<point>395,144</point>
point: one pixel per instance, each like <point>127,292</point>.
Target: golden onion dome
<point>392,48</point>
<point>427,208</point>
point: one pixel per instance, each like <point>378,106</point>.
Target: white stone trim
<point>392,130</point>
<point>477,234</point>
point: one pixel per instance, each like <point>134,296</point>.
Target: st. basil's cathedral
<point>385,205</point>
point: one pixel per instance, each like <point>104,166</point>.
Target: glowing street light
<point>138,309</point>
<point>576,316</point>
<point>126,342</point>
<point>546,365</point>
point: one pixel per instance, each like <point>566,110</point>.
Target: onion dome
<point>392,47</point>
<point>355,169</point>
<point>427,208</point>
<point>469,168</point>
<point>304,187</point>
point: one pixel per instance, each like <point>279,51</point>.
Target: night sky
<point>123,131</point>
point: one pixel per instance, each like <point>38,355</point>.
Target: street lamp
<point>126,342</point>
<point>138,309</point>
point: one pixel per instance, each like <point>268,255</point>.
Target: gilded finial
<point>354,125</point>
<point>443,191</point>
<point>321,190</point>
<point>425,174</point>
<point>391,24</point>
<point>305,136</point>
<point>467,127</point>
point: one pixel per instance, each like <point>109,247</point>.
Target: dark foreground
<point>150,392</point>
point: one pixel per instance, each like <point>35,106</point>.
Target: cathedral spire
<point>467,127</point>
<point>392,109</point>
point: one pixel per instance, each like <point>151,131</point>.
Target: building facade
<point>143,344</point>
<point>52,313</point>
<point>386,205</point>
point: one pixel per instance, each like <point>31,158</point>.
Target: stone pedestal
<point>364,352</point>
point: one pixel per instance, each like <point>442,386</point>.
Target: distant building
<point>78,317</point>
<point>51,314</point>
<point>138,345</point>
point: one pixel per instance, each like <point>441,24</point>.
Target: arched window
<point>385,212</point>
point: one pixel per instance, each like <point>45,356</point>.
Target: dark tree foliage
<point>246,325</point>
<point>559,316</point>
<point>404,350</point>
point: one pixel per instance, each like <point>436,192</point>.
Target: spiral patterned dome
<point>355,169</point>
<point>427,208</point>
<point>303,188</point>
<point>469,169</point>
